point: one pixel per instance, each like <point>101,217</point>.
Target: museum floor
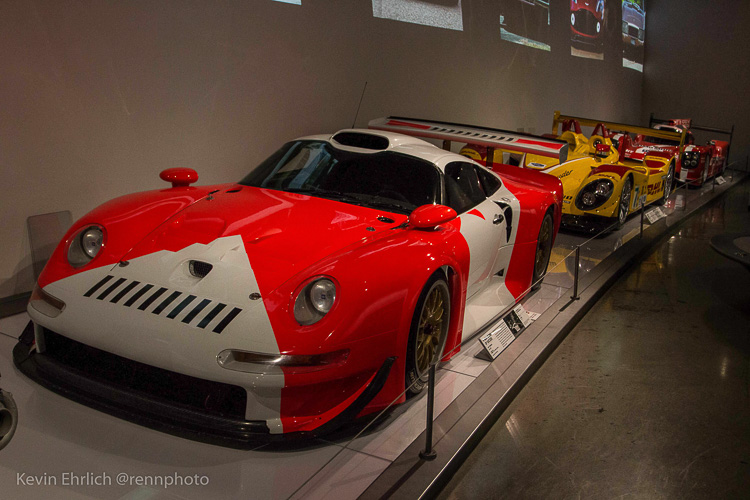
<point>648,396</point>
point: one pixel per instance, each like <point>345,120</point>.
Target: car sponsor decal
<point>565,174</point>
<point>635,197</point>
<point>656,187</point>
<point>170,298</point>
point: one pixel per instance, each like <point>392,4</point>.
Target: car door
<point>483,222</point>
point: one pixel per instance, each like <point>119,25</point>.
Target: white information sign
<point>720,180</point>
<point>496,340</point>
<point>655,214</point>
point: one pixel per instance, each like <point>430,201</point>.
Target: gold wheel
<point>430,329</point>
<point>428,333</point>
<point>543,251</point>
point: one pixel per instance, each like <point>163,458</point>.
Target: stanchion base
<point>428,455</point>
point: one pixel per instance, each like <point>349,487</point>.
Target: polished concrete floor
<point>648,397</point>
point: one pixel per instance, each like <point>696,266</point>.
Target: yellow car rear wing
<point>621,127</point>
<point>469,134</point>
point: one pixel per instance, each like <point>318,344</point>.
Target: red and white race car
<point>319,288</point>
<point>587,21</point>
<point>695,163</point>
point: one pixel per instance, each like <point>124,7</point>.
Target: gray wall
<point>698,65</point>
<point>98,97</point>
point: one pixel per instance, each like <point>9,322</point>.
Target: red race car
<point>320,287</point>
<point>587,21</point>
<point>695,163</point>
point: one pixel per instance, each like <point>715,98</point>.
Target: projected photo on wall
<point>438,13</point>
<point>525,22</point>
<point>587,26</point>
<point>633,33</point>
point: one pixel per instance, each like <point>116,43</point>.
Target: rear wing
<point>689,124</point>
<point>621,127</point>
<point>730,132</point>
<point>469,134</point>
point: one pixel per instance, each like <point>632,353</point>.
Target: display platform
<point>65,450</point>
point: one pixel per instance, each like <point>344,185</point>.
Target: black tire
<point>623,208</point>
<point>543,250</point>
<point>668,185</point>
<point>428,332</point>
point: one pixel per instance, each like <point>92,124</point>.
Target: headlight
<point>85,245</point>
<point>314,301</point>
<point>691,159</point>
<point>594,194</point>
<point>598,27</point>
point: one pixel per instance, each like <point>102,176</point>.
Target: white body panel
<point>170,343</point>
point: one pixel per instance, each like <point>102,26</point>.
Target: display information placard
<point>496,340</point>
<point>720,180</point>
<point>655,214</point>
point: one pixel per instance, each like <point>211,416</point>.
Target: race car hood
<point>572,174</point>
<point>640,152</point>
<point>283,233</point>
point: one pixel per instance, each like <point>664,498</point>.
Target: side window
<point>489,182</point>
<point>462,187</point>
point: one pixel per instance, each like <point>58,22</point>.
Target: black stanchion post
<point>428,453</point>
<point>684,200</point>
<point>575,274</point>
<point>643,211</point>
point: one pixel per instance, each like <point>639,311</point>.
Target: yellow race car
<point>600,187</point>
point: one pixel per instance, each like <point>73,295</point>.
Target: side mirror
<point>179,177</point>
<point>431,216</point>
<point>602,150</point>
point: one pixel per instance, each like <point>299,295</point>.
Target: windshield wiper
<point>354,198</point>
<point>323,193</point>
<point>380,202</point>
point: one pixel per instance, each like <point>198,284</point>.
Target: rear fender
<point>538,191</point>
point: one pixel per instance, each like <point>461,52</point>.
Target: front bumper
<point>160,399</point>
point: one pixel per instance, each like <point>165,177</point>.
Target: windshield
<point>386,180</point>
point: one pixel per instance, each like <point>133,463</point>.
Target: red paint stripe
<point>397,123</point>
<point>540,143</point>
<point>477,213</point>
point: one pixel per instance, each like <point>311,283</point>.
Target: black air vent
<point>362,140</point>
<point>200,269</point>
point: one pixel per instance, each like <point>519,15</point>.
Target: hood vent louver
<point>200,269</point>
